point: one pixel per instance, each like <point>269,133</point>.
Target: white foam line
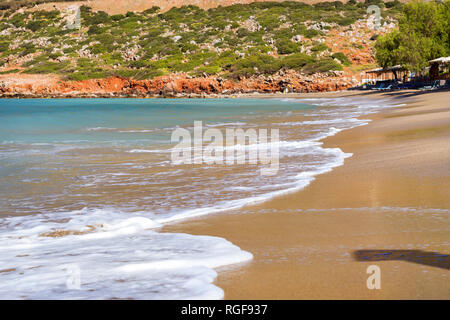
<point>225,124</point>
<point>138,131</point>
<point>101,129</point>
<point>146,151</point>
<point>305,178</point>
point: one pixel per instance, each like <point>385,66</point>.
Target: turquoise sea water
<point>85,185</point>
<point>102,120</point>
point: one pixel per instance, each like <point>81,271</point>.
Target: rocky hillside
<point>263,40</point>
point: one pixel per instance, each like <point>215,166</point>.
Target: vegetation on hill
<point>423,35</point>
<point>237,41</point>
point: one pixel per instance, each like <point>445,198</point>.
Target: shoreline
<point>251,95</point>
<point>254,95</point>
<point>306,245</point>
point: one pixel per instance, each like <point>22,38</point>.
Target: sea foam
<point>116,254</point>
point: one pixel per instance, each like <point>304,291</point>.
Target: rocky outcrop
<point>175,85</point>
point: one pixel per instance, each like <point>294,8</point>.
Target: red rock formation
<point>180,85</point>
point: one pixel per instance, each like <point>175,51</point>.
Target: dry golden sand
<point>401,159</point>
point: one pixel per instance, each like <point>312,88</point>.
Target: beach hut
<point>440,68</point>
<point>372,75</point>
<point>389,73</point>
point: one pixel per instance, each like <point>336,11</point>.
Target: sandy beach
<point>386,206</point>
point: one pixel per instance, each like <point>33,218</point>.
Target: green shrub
<point>35,25</point>
<point>27,49</point>
<point>296,61</point>
<point>254,65</point>
<point>269,22</point>
<point>95,30</point>
<point>286,46</point>
<point>4,46</point>
<point>54,56</point>
<point>311,33</point>
<point>346,21</point>
<point>99,49</point>
<point>46,15</point>
<point>112,58</point>
<point>48,67</point>
<point>319,47</point>
<point>242,32</point>
<point>18,20</point>
<point>37,60</point>
<point>152,10</point>
<point>117,17</point>
<point>9,71</point>
<point>208,70</point>
<point>342,58</point>
<point>322,66</point>
<point>85,63</point>
<point>77,76</point>
<point>99,17</point>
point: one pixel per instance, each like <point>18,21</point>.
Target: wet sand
<point>388,205</point>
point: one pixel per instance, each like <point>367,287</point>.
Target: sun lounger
<point>381,86</point>
<point>389,87</point>
<point>435,85</point>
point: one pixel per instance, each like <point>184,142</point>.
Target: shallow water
<point>85,185</point>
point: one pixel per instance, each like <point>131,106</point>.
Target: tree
<point>387,49</point>
<point>423,35</point>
